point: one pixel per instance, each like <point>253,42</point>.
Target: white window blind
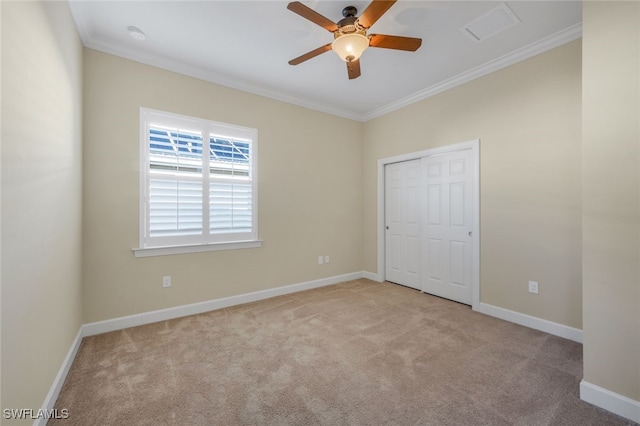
<point>198,181</point>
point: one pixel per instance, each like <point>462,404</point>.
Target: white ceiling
<point>247,44</point>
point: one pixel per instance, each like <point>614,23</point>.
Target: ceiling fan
<point>350,34</point>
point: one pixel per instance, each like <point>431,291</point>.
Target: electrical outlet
<point>166,281</point>
<point>533,287</point>
<point>320,260</point>
<point>326,259</point>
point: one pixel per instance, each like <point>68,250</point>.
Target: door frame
<point>474,146</point>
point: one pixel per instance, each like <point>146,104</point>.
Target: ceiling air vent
<point>491,23</point>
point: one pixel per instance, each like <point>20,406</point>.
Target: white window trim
<point>196,248</point>
<point>185,247</point>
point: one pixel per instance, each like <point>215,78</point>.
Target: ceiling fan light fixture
<point>349,47</point>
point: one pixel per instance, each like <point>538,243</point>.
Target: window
<point>198,184</point>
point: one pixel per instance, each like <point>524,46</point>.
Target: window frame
<point>207,240</point>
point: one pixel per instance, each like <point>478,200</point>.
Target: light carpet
<point>355,353</point>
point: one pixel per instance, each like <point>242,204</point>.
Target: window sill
<point>196,248</point>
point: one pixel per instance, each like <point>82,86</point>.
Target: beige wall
<point>41,197</point>
<point>527,117</point>
<point>611,196</point>
<point>309,172</point>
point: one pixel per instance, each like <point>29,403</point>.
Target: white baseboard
<point>610,401</point>
<point>54,391</point>
<point>372,276</point>
<point>209,305</point>
<point>536,323</point>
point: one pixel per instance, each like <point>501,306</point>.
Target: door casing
<point>474,146</point>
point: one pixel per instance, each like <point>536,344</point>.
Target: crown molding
<point>565,36</point>
<point>558,39</point>
<point>215,78</point>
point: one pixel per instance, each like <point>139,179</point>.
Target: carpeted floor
<point>356,353</point>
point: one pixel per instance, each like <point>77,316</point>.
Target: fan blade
<point>395,42</point>
<point>313,16</point>
<point>374,11</point>
<point>353,69</point>
<point>310,55</point>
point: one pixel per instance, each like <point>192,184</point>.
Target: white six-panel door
<point>447,239</point>
<point>429,215</point>
<point>402,228</point>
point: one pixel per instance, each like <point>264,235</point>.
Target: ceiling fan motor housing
<point>349,24</point>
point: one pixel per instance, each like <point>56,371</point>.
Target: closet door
<point>447,248</point>
<point>402,222</point>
